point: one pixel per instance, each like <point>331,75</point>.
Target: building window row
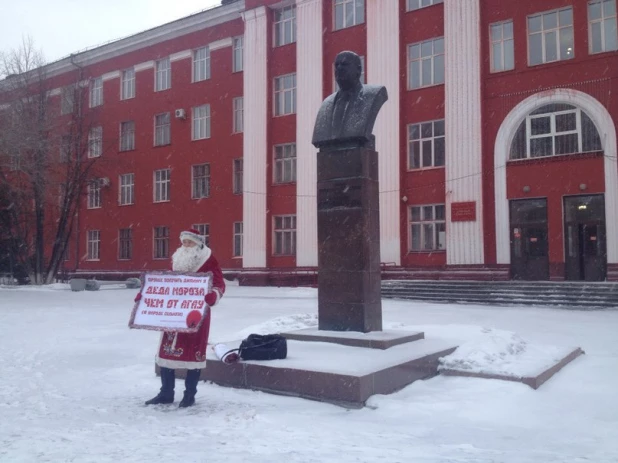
<point>160,241</point>
<point>427,228</point>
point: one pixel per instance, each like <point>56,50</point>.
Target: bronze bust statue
<point>346,117</point>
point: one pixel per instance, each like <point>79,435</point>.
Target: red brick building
<point>497,145</point>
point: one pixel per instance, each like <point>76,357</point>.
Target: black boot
<point>191,380</point>
<point>166,395</point>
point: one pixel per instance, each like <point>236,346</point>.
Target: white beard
<point>190,260</point>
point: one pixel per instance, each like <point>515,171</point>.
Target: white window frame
<point>237,240</point>
<point>602,21</point>
<point>284,163</point>
<point>93,245</point>
<point>200,127</point>
<point>160,242</point>
<point>163,74</point>
<point>237,54</point>
<point>425,224</point>
<point>204,230</point>
<point>417,62</point>
<point>284,235</point>
<point>67,100</point>
<point>127,136</point>
<point>126,189</point>
<point>340,18</point>
<point>200,181</point>
<point>284,100</point>
<point>504,44</point>
<point>127,84</point>
<point>284,26</point>
<point>162,129</point>
<point>201,64</point>
<point>238,104</point>
<point>96,92</point>
<point>237,176</point>
<point>553,132</point>
<point>161,185</point>
<point>94,194</point>
<point>425,142</point>
<point>95,142</point>
<point>125,244</point>
<point>544,33</point>
<point>413,5</point>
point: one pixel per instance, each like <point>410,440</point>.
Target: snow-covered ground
<point>73,379</point>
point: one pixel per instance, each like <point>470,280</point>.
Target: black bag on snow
<point>263,347</point>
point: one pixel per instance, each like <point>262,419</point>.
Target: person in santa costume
<point>188,350</point>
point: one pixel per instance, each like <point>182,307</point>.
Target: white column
<point>462,42</point>
<point>309,99</point>
<point>255,86</point>
<point>383,69</point>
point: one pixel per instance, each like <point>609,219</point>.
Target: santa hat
<point>193,235</point>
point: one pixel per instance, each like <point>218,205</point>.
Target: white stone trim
<point>143,66</point>
<point>255,87</point>
<point>463,169</point>
<point>219,44</point>
<point>607,131</point>
<point>383,59</point>
<point>309,36</point>
<point>184,54</point>
<point>111,75</point>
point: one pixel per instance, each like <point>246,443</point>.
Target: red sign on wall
<point>463,212</point>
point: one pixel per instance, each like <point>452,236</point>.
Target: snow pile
<point>280,325</point>
<point>499,352</point>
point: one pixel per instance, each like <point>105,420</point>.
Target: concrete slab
<point>374,339</point>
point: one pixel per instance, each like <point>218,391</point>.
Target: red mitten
<point>211,298</point>
<point>138,297</point>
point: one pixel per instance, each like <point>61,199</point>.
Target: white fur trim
<point>218,293</point>
<point>174,364</point>
<point>197,239</point>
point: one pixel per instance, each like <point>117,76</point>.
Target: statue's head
<point>348,69</point>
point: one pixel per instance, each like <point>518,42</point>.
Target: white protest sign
<point>171,302</point>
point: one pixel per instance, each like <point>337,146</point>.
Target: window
<point>285,25</point>
<point>201,122</point>
<point>95,142</point>
<point>93,244</point>
<point>67,102</point>
<point>201,64</point>
<point>426,63</point>
<point>237,180</point>
<point>163,75</point>
<point>285,95</point>
<point>161,242</point>
<point>427,228</point>
<point>237,52</point>
<point>162,185</point>
<point>555,129</point>
<point>502,46</point>
<point>362,76</point>
<point>238,104</point>
<point>602,26</point>
<point>126,190</point>
<point>94,194</point>
<point>125,244</point>
<point>127,136</point>
<point>204,230</point>
<point>285,163</point>
<point>285,235</point>
<point>550,36</point>
<point>127,84</point>
<point>162,129</point>
<point>237,239</point>
<point>412,5</point>
<point>96,92</point>
<point>65,148</point>
<point>201,181</point>
<point>426,145</point>
<point>348,13</point>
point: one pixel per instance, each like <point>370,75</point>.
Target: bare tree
<point>45,170</point>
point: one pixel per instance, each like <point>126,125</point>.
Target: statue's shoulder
<point>374,90</point>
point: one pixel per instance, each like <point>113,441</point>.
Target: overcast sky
<point>61,27</point>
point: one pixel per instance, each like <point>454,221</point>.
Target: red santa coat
<point>188,350</point>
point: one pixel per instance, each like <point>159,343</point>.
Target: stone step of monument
<point>545,285</point>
